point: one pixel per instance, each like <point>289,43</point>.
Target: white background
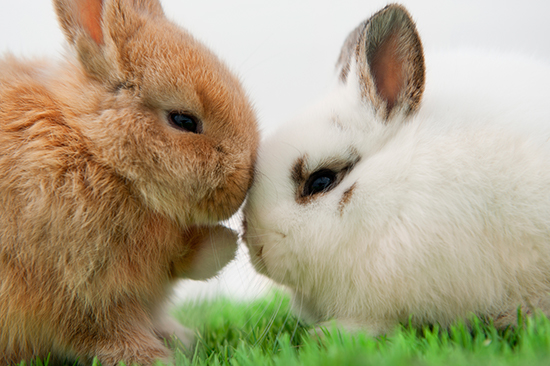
<point>285,50</point>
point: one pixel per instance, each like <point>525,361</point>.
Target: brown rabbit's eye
<point>185,122</point>
<point>320,181</point>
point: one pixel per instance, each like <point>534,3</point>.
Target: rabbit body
<point>104,202</point>
<point>373,207</point>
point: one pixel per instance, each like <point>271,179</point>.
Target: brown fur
<point>298,171</point>
<point>346,197</point>
<point>101,199</point>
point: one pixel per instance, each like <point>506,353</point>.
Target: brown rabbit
<point>115,167</point>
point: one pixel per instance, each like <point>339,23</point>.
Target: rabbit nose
<point>257,249</point>
<point>245,227</point>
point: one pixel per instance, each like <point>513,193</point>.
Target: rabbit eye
<point>320,181</point>
<point>185,122</point>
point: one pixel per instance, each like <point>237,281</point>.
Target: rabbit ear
<point>389,60</point>
<point>88,23</point>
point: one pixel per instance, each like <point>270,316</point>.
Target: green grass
<point>264,332</point>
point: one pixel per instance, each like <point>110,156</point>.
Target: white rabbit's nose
<point>259,253</point>
<point>259,241</point>
<point>256,255</point>
<point>244,227</point>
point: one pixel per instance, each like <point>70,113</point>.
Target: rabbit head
<point>161,110</point>
<point>303,221</point>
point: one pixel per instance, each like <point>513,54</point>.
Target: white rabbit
<point>384,201</point>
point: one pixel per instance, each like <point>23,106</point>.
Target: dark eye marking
<point>298,170</point>
<point>328,174</point>
<point>185,122</point>
<point>320,181</point>
<point>345,199</point>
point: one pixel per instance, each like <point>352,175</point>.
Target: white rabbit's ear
<point>389,61</point>
<point>88,23</point>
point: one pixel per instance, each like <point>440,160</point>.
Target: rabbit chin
<point>306,309</point>
<point>198,208</point>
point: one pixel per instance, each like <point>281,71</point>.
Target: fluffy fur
<point>439,208</point>
<point>104,203</point>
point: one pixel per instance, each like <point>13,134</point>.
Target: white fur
<point>450,214</point>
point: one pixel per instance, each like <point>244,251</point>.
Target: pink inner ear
<point>387,70</point>
<point>90,12</point>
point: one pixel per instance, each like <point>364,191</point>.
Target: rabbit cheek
<point>229,190</point>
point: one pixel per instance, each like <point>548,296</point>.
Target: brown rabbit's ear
<point>389,61</point>
<point>89,25</point>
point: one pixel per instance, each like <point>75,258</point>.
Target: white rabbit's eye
<point>185,122</point>
<point>320,181</point>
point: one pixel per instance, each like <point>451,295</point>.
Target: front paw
<point>215,248</point>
